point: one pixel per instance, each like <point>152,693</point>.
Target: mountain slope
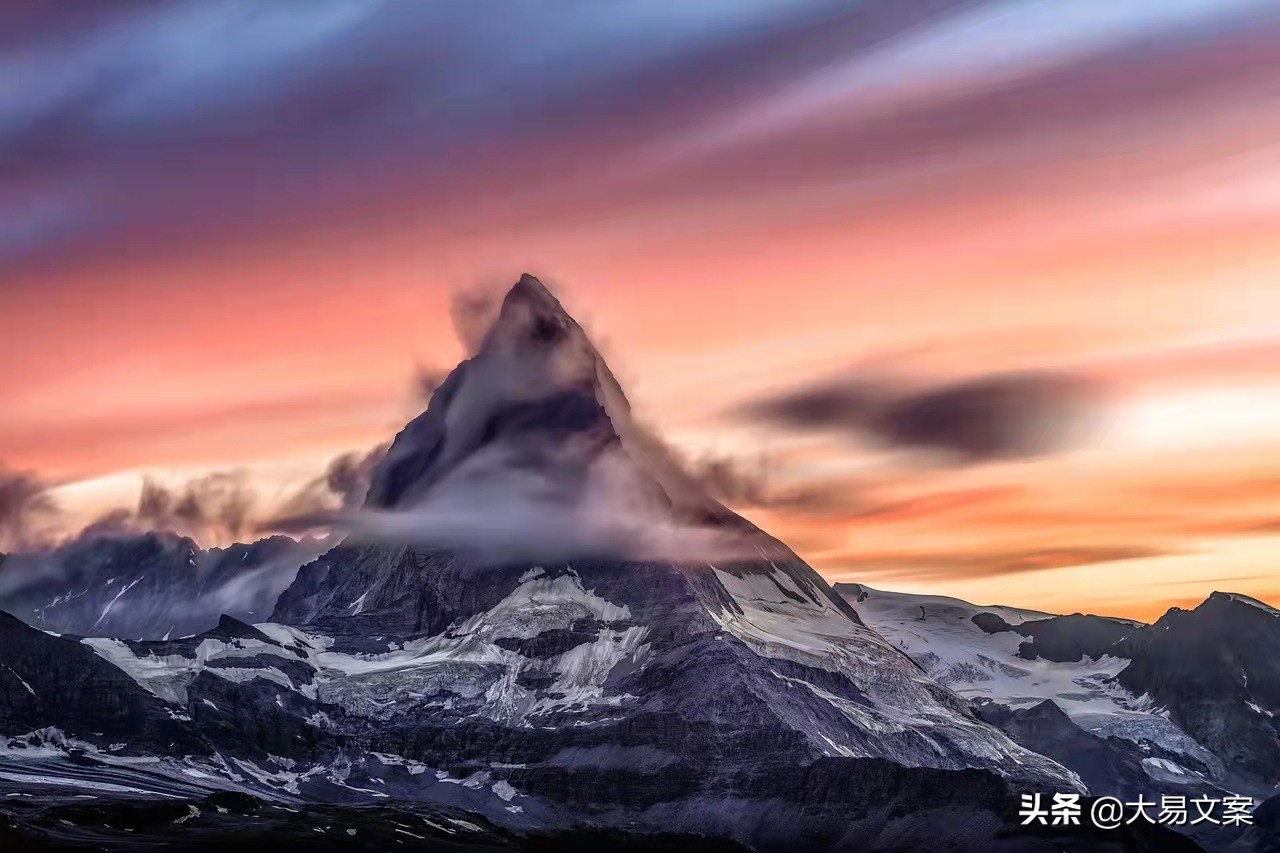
<point>1217,669</point>
<point>1009,661</point>
<point>988,652</point>
<point>147,585</point>
<point>1194,693</point>
<point>51,681</point>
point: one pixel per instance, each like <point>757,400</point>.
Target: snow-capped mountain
<point>990,652</point>
<point>148,585</point>
<point>1173,698</point>
<point>539,619</point>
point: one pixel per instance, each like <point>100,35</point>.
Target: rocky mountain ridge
<point>538,619</point>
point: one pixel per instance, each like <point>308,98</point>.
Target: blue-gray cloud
<point>129,125</point>
<point>184,114</point>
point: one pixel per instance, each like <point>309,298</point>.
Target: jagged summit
<point>1240,598</point>
<point>531,296</point>
<point>529,287</point>
<point>531,318</point>
<point>536,396</point>
<point>535,426</point>
<point>536,380</point>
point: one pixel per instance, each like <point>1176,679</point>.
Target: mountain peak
<point>1240,598</point>
<point>1046,710</point>
<point>1216,668</point>
<point>231,627</point>
<point>535,386</point>
<point>532,317</point>
<point>530,289</point>
<point>537,391</point>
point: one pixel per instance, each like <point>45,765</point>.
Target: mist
<point>26,508</point>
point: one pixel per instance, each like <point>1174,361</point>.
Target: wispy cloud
<point>210,118</point>
<point>978,563</point>
<point>26,507</point>
<point>983,419</point>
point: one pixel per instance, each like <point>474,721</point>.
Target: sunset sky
<point>229,232</point>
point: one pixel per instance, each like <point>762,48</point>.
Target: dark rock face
<point>49,681</point>
<point>1217,669</point>
<point>1113,766</point>
<point>1109,766</point>
<point>1265,835</point>
<point>1062,638</point>
<point>697,716</point>
<point>147,585</point>
<point>224,821</point>
<point>557,641</point>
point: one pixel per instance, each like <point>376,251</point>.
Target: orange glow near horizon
<point>1140,250</point>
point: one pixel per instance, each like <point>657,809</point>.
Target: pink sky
<point>1114,216</point>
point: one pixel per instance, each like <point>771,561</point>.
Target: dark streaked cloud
<point>761,484</point>
<point>993,417</point>
<point>187,116</point>
<point>933,503</point>
<point>989,418</point>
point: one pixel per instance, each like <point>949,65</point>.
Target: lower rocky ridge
<point>1129,714</point>
<point>741,703</point>
<point>227,821</point>
<point>148,585</point>
<point>1217,670</point>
